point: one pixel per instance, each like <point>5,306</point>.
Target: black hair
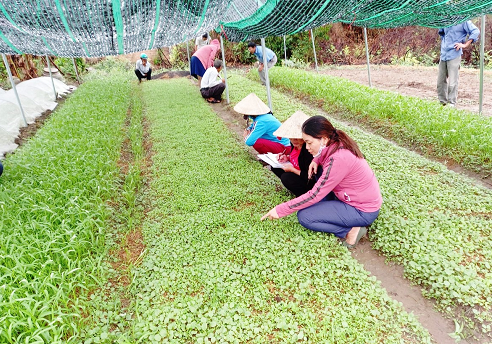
<point>319,126</point>
<point>205,35</point>
<point>251,44</point>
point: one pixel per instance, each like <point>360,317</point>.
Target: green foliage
<point>66,66</point>
<point>179,56</point>
<point>445,132</point>
<point>213,272</point>
<point>436,223</point>
<point>410,59</point>
<point>53,211</point>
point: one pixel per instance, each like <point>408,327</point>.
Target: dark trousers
<point>213,92</point>
<point>140,76</point>
<point>331,215</point>
<point>293,182</point>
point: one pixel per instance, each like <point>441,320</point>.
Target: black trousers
<point>140,76</point>
<point>293,182</point>
<point>213,92</point>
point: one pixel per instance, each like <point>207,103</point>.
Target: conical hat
<point>251,105</point>
<point>291,128</point>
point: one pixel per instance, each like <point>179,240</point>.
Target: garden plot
<point>212,272</point>
<point>436,223</point>
<point>53,215</point>
<point>440,132</point>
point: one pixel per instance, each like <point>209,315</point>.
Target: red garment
<point>264,146</point>
<point>206,54</point>
<point>294,158</point>
<point>349,177</point>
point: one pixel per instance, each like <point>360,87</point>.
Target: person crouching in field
<point>212,88</point>
<point>260,133</point>
<point>294,174</point>
<point>143,69</point>
<point>346,197</point>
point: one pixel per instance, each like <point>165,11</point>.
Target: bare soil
<point>421,82</point>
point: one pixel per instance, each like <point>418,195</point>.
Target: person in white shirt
<point>212,88</point>
<point>202,41</point>
<point>143,69</point>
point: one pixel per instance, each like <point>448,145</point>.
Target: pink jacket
<point>206,54</point>
<point>349,177</point>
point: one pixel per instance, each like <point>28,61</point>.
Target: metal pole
<point>225,69</point>
<point>188,52</point>
<point>285,50</point>
<point>76,71</point>
<point>7,66</point>
<point>51,76</point>
<point>314,51</point>
<point>482,44</point>
<point>267,79</point>
<point>367,57</point>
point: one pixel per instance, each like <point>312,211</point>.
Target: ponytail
<point>319,126</point>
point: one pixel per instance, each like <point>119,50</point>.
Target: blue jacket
<point>456,34</point>
<point>263,127</point>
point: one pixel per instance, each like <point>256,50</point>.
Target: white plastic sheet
<point>36,97</point>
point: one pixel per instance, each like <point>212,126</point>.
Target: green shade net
<point>277,17</point>
<point>95,28</point>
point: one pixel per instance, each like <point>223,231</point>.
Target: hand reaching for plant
<point>272,214</point>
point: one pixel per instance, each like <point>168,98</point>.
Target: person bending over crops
<point>203,59</point>
<point>212,88</point>
<point>143,69</point>
<point>294,174</point>
<point>260,133</point>
<point>271,59</point>
<point>346,198</point>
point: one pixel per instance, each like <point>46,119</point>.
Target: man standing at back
<point>270,57</point>
<point>453,40</point>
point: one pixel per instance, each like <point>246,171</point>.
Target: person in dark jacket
<point>294,175</point>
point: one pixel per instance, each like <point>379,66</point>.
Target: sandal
<point>362,232</point>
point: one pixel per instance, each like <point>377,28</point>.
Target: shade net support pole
<point>367,57</point>
<point>7,66</point>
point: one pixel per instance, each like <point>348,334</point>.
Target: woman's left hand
<point>272,214</point>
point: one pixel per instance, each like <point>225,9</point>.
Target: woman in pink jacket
<point>346,196</point>
<point>203,59</point>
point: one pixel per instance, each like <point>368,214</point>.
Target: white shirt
<point>199,42</point>
<point>209,79</point>
<point>143,69</point>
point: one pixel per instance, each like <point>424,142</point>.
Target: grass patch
<point>214,272</point>
<point>53,212</point>
<point>436,223</point>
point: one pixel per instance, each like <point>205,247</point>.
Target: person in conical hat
<point>259,134</point>
<point>294,174</point>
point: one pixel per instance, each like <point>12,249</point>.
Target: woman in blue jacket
<point>259,133</point>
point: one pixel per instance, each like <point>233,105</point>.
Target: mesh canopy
<point>278,17</point>
<point>93,28</point>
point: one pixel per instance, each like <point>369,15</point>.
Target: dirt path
<point>420,82</point>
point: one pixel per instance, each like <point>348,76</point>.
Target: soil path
<point>420,82</point>
<point>390,275</point>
